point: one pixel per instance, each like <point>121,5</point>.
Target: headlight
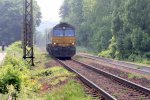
<point>73,43</point>
<point>64,28</point>
<point>54,43</point>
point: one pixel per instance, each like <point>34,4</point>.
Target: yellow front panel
<point>63,41</point>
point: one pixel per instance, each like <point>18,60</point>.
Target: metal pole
<point>28,32</point>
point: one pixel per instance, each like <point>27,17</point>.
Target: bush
<point>16,62</point>
<point>105,54</point>
<point>10,77</point>
<point>15,49</point>
<point>135,58</point>
<point>14,71</point>
<point>147,55</point>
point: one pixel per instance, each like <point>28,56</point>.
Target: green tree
<point>11,19</point>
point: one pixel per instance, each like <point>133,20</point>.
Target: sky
<point>50,9</point>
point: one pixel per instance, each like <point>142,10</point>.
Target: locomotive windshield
<point>66,32</point>
<point>69,32</point>
<point>58,32</point>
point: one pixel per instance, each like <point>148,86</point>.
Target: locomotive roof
<point>63,25</point>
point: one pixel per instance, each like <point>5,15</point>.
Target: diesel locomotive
<point>61,41</point>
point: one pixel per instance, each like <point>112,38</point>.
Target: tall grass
<point>71,91</point>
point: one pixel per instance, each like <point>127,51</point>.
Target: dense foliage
<point>11,19</point>
<point>15,76</point>
<point>115,28</point>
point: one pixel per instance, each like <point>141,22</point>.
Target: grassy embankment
<point>85,50</point>
<point>133,58</point>
<point>138,59</point>
<point>40,83</point>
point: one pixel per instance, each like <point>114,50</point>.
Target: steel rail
<point>105,95</point>
<point>118,79</point>
<point>101,58</point>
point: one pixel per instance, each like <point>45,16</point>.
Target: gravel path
<point>2,56</point>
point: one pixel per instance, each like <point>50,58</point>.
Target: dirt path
<point>2,56</point>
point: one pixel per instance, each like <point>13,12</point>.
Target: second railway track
<point>110,86</point>
<point>139,68</point>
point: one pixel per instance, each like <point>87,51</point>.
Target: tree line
<point>117,29</point>
<point>11,19</point>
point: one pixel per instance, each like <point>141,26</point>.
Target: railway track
<point>90,91</point>
<point>103,93</point>
<point>139,68</point>
<point>111,87</point>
